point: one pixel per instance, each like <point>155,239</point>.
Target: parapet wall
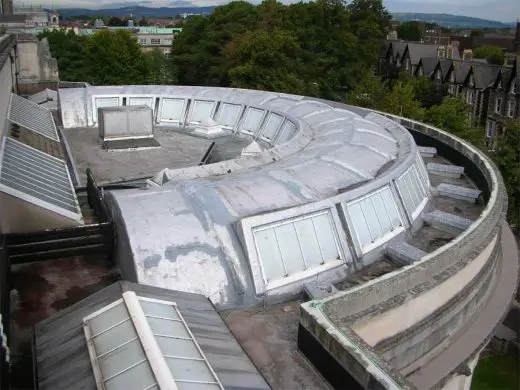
<point>477,247</point>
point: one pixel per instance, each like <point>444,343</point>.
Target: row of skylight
<point>33,175</point>
<point>264,124</point>
<point>30,115</point>
<point>294,246</point>
<point>142,343</point>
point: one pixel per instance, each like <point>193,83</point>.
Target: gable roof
<point>461,69</point>
<point>429,64</point>
<point>420,50</point>
<point>484,74</point>
<point>398,47</point>
<point>445,67</point>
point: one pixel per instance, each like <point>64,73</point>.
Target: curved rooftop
<point>330,183</point>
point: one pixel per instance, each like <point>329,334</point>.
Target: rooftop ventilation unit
<point>127,127</point>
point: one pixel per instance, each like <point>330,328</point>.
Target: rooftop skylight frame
<point>32,116</point>
<point>34,168</point>
<point>156,360</point>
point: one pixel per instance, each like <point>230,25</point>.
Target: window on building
<point>144,343</point>
<point>513,86</point>
<point>142,41</point>
<point>441,52</point>
<point>469,96</point>
<point>449,52</point>
<point>498,105</point>
<point>374,217</point>
<point>155,41</point>
<point>406,65</point>
<point>511,107</point>
<point>451,89</point>
<point>292,246</point>
<point>413,189</point>
<point>438,75</point>
<point>490,128</point>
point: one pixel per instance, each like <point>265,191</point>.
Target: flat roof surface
<point>177,151</point>
<point>269,336</point>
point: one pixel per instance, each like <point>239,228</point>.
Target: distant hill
<point>447,20</point>
<point>136,11</point>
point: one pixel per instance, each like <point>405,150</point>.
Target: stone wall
<point>34,61</point>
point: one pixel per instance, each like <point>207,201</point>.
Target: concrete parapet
<point>423,340</point>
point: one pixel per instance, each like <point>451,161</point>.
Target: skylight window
<point>39,178</point>
<point>30,115</point>
<point>252,120</point>
<point>290,247</point>
<point>201,111</point>
<point>228,114</point>
<point>143,343</point>
<point>374,218</point>
<point>413,190</point>
<point>140,101</point>
<point>271,126</point>
<point>172,110</point>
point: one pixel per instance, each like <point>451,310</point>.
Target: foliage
<point>409,31</point>
<point>401,101</point>
<point>427,92</point>
<point>160,68</point>
<point>68,49</point>
<point>507,158</point>
<point>477,33</point>
<point>451,115</point>
<point>266,60</point>
<point>143,22</point>
<point>336,42</point>
<point>493,54</point>
<point>497,373</point>
<point>115,57</point>
<point>115,21</point>
<point>369,93</point>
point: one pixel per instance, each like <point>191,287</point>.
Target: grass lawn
<point>497,373</point>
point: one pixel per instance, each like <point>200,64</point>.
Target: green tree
<point>371,92</point>
<point>451,115</point>
<point>477,33</point>
<point>197,52</point>
<point>507,158</point>
<point>115,21</point>
<point>427,92</point>
<point>409,31</point>
<point>401,101</point>
<point>68,49</point>
<point>143,22</point>
<point>266,60</point>
<point>115,57</point>
<point>493,54</point>
<point>160,68</point>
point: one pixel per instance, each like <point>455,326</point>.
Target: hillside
<point>447,20</point>
<point>136,11</point>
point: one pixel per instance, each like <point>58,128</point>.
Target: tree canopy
<point>409,31</point>
<point>493,54</point>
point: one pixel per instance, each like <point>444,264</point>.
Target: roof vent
<point>127,127</point>
<point>252,149</point>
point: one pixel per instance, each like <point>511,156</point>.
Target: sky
<point>502,10</point>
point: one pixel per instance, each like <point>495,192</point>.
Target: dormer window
<point>452,78</point>
<point>471,81</point>
<point>438,75</point>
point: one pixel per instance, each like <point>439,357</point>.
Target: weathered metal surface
<point>60,339</point>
